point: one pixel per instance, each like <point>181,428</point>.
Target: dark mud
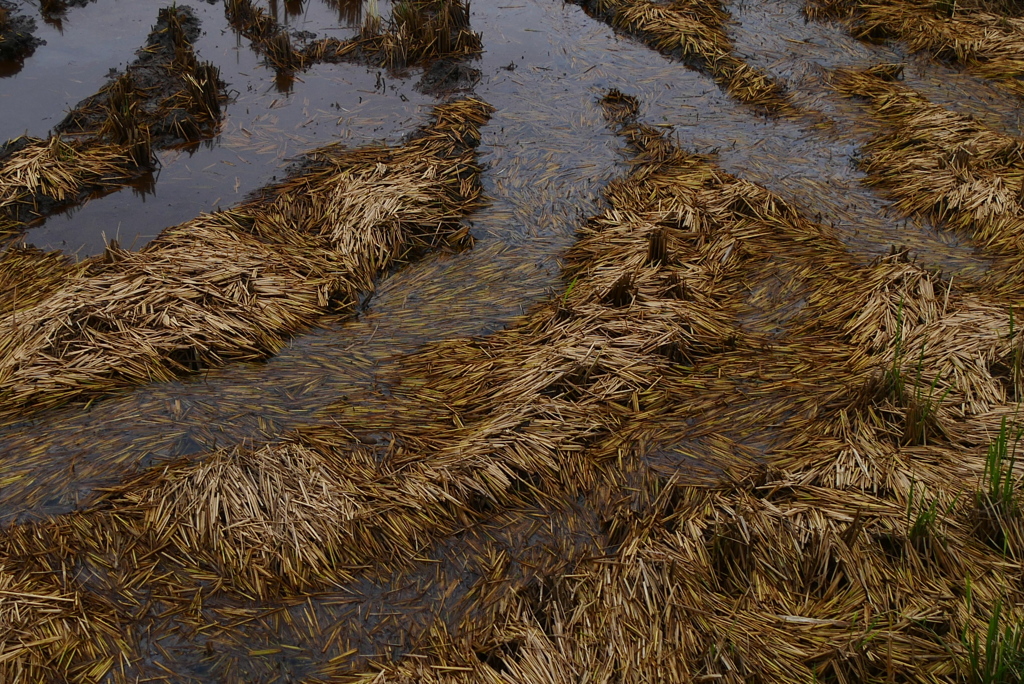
<point>446,77</point>
<point>166,97</point>
<point>172,112</point>
<point>16,36</point>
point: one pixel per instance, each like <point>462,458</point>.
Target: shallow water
<point>265,126</point>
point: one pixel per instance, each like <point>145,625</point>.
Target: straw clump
<point>235,284</point>
<point>39,175</point>
<point>417,32</point>
<point>946,167</point>
<point>166,95</point>
<point>267,35</point>
<point>986,38</point>
<point>693,31</point>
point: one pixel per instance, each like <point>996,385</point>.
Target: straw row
<point>166,94</point>
<point>38,175</point>
<point>838,522</point>
<point>165,97</point>
<point>979,36</point>
<point>694,32</point>
<point>522,427</point>
<point>940,165</point>
<point>416,32</point>
<point>863,549</point>
<point>235,284</point>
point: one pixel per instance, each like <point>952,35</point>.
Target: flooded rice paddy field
<point>547,156</point>
<point>547,153</point>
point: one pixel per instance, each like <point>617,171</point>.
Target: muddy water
<point>547,155</point>
<point>375,618</point>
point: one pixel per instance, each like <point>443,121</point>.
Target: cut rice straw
<point>235,284</point>
<point>694,32</point>
<point>977,35</point>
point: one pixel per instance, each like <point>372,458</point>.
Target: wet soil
<point>547,154</point>
<point>154,84</point>
<point>163,99</point>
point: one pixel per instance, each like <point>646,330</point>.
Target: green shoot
<point>568,290</point>
<point>894,379</point>
<point>998,478</point>
<point>922,409</point>
<point>1000,659</point>
<point>922,518</point>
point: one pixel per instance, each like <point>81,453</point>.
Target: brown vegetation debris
<point>417,32</point>
<point>693,31</point>
<point>28,275</point>
<point>165,97</point>
<point>857,515</point>
<point>944,166</point>
<point>36,176</point>
<point>861,550</point>
<point>986,37</point>
<point>236,283</point>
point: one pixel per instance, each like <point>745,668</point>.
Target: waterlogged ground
<point>547,154</point>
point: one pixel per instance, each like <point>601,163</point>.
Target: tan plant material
<point>41,623</point>
<point>824,536</point>
<point>267,36</point>
<point>416,33</point>
<point>37,175</point>
<point>693,31</point>
<point>850,554</point>
<point>237,283</point>
<point>944,166</point>
<point>166,94</point>
<point>987,38</point>
<point>28,275</point>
